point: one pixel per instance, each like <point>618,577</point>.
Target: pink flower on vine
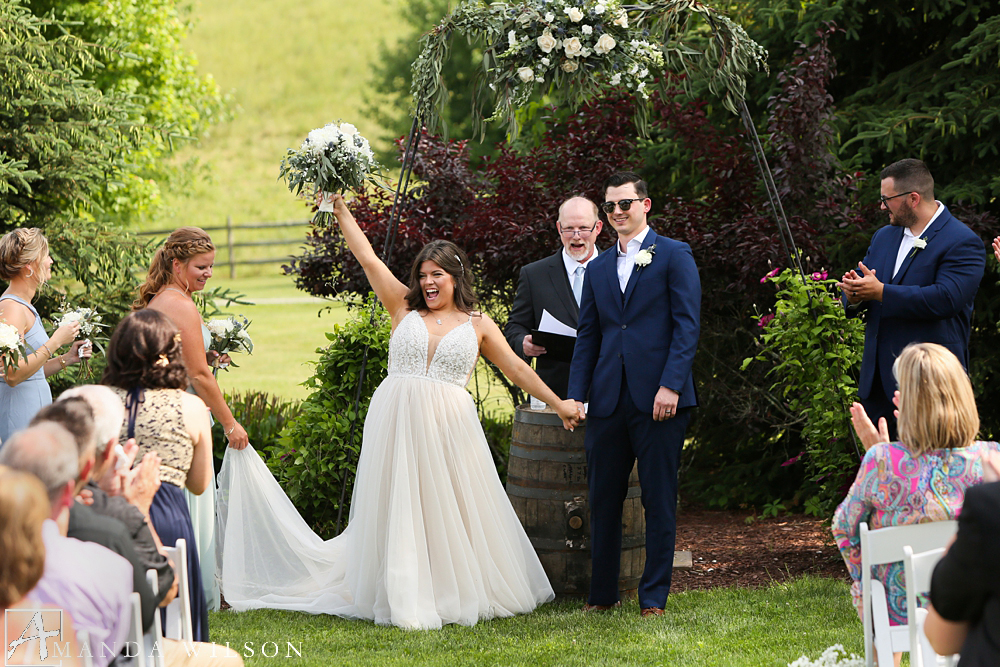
<point>819,275</point>
<point>765,320</point>
<point>770,274</point>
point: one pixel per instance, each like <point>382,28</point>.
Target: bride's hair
<point>182,245</point>
<point>145,351</point>
<point>452,259</point>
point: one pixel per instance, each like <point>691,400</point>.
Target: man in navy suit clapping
<point>917,282</point>
<point>636,339</point>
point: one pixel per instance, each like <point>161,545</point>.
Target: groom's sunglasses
<point>623,204</point>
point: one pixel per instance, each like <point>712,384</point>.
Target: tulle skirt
<point>432,538</point>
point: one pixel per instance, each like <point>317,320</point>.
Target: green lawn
<point>723,627</point>
<point>290,66</point>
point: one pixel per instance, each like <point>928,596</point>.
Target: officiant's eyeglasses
<point>623,204</point>
<point>885,200</point>
<point>584,233</point>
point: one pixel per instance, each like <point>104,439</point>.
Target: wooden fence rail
<point>232,243</point>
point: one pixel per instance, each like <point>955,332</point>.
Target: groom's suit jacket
<point>543,285</point>
<point>929,300</point>
<point>651,330</point>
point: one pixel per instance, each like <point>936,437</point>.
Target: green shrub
<point>316,454</point>
<point>813,350</point>
<point>263,416</point>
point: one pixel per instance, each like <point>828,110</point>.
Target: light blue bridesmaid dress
<point>19,404</point>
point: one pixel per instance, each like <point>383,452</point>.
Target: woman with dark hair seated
<point>921,478</point>
<point>146,370</point>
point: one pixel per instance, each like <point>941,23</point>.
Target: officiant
<point>554,284</point>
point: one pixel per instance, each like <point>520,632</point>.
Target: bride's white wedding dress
<point>432,538</point>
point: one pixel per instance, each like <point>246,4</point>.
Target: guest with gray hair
<point>90,582</point>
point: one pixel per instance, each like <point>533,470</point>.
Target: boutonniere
<point>645,256</point>
<point>919,243</point>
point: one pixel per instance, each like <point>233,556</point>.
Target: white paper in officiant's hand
<point>549,324</point>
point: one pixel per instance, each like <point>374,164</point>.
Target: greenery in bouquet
<point>11,347</point>
<point>334,158</point>
<point>229,335</point>
<point>91,327</point>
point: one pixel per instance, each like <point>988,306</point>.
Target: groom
<point>638,332</point>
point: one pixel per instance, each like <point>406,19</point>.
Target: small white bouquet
<point>90,330</point>
<point>833,656</point>
<point>11,347</point>
<point>230,335</point>
<point>333,159</point>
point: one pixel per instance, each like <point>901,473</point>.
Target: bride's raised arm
<point>389,290</point>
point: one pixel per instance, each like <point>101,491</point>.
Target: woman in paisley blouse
<point>146,369</point>
<point>924,476</point>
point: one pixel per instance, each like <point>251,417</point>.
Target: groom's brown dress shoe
<point>601,607</point>
<point>651,611</point>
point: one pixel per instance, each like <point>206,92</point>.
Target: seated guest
<point>146,370</point>
<point>965,588</point>
<point>554,284</point>
<point>132,498</point>
<point>85,524</point>
<point>23,510</point>
<point>924,476</point>
<point>90,582</point>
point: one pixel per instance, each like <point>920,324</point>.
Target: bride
<point>432,538</point>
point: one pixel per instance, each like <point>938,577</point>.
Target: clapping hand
<point>864,287</point>
<point>863,426</point>
<point>996,248</point>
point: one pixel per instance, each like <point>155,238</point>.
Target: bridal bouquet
<point>333,158</point>
<point>11,347</point>
<point>90,330</point>
<point>230,335</point>
<point>833,656</point>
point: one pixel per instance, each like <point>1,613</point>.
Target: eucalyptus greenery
<point>725,60</point>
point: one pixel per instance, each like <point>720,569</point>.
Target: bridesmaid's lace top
<point>160,428</point>
<point>415,352</point>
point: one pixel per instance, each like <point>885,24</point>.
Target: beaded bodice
<point>415,352</point>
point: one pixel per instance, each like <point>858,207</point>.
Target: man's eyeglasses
<point>584,233</point>
<point>885,200</point>
<point>623,204</point>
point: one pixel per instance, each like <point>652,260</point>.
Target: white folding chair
<point>881,546</point>
<point>135,646</point>
<point>155,636</point>
<point>919,568</point>
<point>179,624</point>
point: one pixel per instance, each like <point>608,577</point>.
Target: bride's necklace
<point>175,289</point>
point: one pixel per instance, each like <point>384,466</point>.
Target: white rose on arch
<point>569,66</point>
<point>550,17</point>
<point>525,74</point>
<point>546,42</point>
<point>573,47</point>
<point>622,19</point>
<point>574,14</point>
<point>605,44</point>
<point>586,30</point>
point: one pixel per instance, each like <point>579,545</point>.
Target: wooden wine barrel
<point>547,485</point>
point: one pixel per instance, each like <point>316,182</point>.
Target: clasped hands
<point>861,287</point>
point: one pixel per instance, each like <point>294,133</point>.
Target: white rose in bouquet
<point>9,337</point>
<point>526,74</point>
<point>546,42</point>
<point>574,14</point>
<point>573,47</point>
<point>569,66</point>
<point>605,44</point>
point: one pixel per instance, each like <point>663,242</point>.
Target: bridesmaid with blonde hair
<point>25,264</point>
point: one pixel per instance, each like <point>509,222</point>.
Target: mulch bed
<point>728,551</point>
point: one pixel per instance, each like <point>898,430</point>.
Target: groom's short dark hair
<point>620,178</point>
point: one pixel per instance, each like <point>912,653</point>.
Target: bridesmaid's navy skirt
<point>172,520</point>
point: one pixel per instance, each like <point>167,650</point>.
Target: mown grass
<point>289,66</point>
<point>727,627</point>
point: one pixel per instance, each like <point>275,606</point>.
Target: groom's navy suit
<point>929,300</point>
<point>628,346</point>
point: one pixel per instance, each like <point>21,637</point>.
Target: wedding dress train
<point>432,538</point>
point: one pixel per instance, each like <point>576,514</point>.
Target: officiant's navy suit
<point>628,346</point>
<point>929,300</point>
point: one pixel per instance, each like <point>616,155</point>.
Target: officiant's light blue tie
<point>578,284</point>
